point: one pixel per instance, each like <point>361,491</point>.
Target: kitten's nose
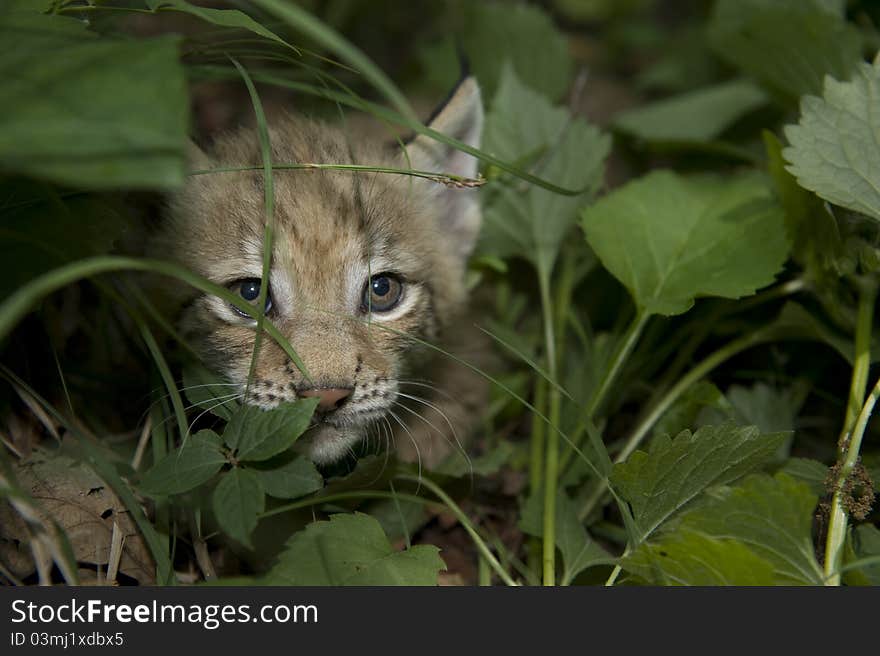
<point>329,398</point>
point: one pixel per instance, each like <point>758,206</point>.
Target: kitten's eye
<point>382,292</point>
<point>249,290</point>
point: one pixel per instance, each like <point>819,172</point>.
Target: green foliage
<point>524,126</point>
<point>787,45</point>
<point>288,476</point>
<point>757,533</point>
<point>100,126</point>
<point>184,469</point>
<point>661,482</point>
<point>834,145</point>
<point>237,500</point>
<point>670,239</point>
<point>696,116</point>
<point>494,33</point>
<point>352,550</point>
<point>255,434</point>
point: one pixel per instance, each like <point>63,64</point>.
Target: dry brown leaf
<point>77,500</point>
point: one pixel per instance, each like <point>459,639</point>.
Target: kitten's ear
<point>460,117</point>
<point>196,158</point>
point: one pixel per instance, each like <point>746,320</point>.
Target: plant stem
<point>466,524</point>
<point>551,458</point>
<point>621,353</point>
<point>694,375</point>
<point>851,436</point>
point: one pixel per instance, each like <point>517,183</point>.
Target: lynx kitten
<point>360,261</point>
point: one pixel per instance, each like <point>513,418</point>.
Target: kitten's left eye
<point>382,292</point>
<point>249,290</point>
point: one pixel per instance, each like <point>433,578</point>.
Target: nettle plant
<point>627,452</point>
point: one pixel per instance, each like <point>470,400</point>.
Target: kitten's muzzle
<point>329,398</point>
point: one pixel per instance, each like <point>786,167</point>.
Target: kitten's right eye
<point>249,290</point>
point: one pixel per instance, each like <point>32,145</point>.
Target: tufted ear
<point>460,117</point>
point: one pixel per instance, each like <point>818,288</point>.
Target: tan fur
<point>332,231</point>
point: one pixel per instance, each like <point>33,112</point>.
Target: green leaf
<point>493,34</point>
<point>670,239</point>
<point>691,558</point>
<point>39,230</point>
<point>773,517</point>
<point>257,434</point>
<point>796,322</point>
<point>659,483</point>
<point>223,17</point>
<point>684,412</point>
<point>696,116</point>
<point>88,115</point>
<point>205,389</point>
<point>769,408</point>
<point>811,472</point>
<point>352,549</point>
<point>288,476</point>
<point>788,45</point>
<point>866,544</point>
<point>835,147</point>
<point>237,501</point>
<point>524,126</point>
<point>815,238</point>
<point>579,550</point>
<point>186,468</point>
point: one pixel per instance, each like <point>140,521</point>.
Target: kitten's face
<point>359,263</point>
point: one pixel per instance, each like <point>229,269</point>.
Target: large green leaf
<point>696,116</point>
<point>692,558</point>
<point>237,501</point>
<point>40,230</point>
<point>659,483</point>
<point>865,545</point>
<point>352,549</point>
<point>524,126</point>
<point>257,434</point>
<point>835,147</point>
<point>788,45</point>
<point>491,34</point>
<point>288,476</point>
<point>187,467</point>
<point>90,112</point>
<point>772,516</point>
<point>670,238</point>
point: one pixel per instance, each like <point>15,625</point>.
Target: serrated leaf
<point>772,516</point>
<point>237,501</point>
<point>812,230</point>
<point>101,126</point>
<point>352,549</point>
<point>788,45</point>
<point>691,558</point>
<point>670,239</point>
<point>696,116</point>
<point>288,476</point>
<point>835,147</point>
<point>257,434</point>
<point>659,483</point>
<point>207,391</point>
<point>184,469</point>
<point>579,550</point>
<point>683,413</point>
<point>524,126</point>
<point>232,18</point>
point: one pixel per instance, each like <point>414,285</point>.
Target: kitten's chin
<point>326,444</point>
